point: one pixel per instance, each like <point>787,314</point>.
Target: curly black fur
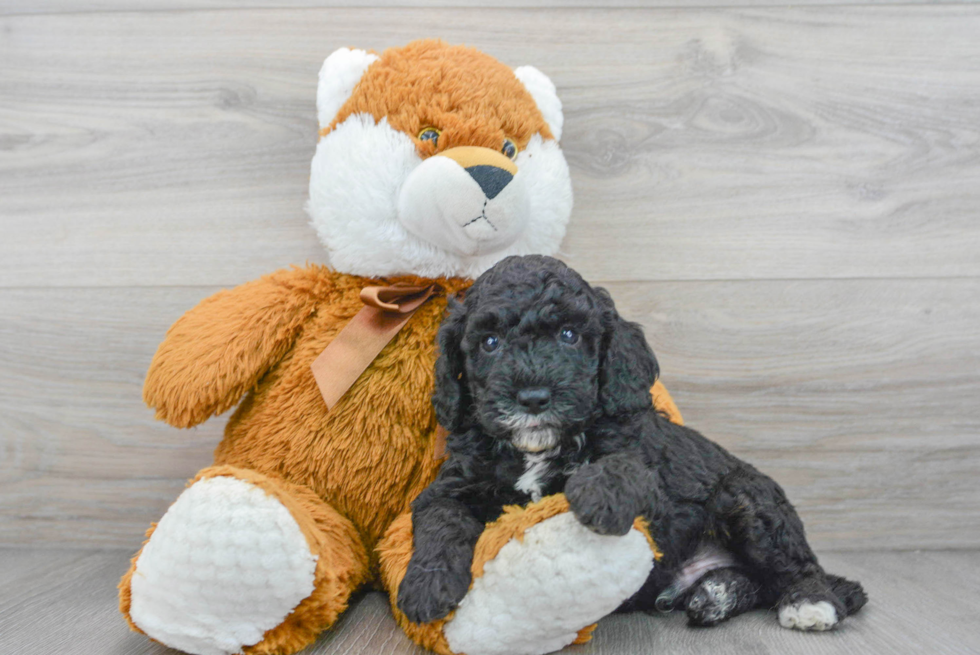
<point>537,366</point>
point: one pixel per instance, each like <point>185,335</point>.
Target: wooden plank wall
<point>787,197</point>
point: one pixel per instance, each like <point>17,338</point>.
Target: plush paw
<point>226,563</point>
<point>602,498</point>
<point>540,591</point>
<point>429,593</point>
<point>809,615</point>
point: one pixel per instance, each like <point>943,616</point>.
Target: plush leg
<point>243,562</point>
<point>540,582</point>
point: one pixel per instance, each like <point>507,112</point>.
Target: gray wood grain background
<point>787,197</point>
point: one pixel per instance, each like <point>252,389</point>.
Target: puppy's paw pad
<point>808,615</point>
<point>710,603</point>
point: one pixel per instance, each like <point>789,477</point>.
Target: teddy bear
<point>433,163</point>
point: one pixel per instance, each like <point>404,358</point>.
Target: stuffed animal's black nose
<point>535,400</point>
<point>491,179</point>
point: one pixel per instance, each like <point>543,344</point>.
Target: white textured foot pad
<point>809,616</point>
<point>226,563</point>
<point>535,596</point>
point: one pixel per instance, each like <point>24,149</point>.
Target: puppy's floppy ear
<point>450,399</point>
<point>627,366</point>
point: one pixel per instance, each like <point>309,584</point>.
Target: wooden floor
<point>64,602</point>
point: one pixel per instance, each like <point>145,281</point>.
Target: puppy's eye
<point>568,335</point>
<point>490,343</point>
<point>509,149</point>
<point>430,134</point>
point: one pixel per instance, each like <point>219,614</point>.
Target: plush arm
<point>665,404</point>
<point>221,348</point>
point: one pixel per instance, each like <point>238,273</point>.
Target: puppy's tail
<point>850,593</point>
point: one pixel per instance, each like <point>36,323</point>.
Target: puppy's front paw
<point>429,593</point>
<point>598,502</point>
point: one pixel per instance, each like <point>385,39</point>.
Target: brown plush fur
<point>344,474</point>
<point>665,404</point>
<point>476,101</point>
<point>342,562</point>
<point>371,454</point>
<point>125,590</point>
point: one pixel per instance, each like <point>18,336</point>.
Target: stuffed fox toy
<point>434,162</point>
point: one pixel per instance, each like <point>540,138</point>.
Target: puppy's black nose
<point>490,178</point>
<point>535,400</point>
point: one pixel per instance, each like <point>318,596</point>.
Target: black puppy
<point>545,389</point>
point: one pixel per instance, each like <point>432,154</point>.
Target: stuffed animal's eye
<point>430,134</point>
<point>509,149</point>
<point>568,335</point>
<point>490,343</point>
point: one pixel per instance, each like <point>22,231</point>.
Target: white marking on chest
<point>536,468</point>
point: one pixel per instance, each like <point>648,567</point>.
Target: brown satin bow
<point>386,310</point>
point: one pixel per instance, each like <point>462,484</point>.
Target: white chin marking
<point>809,616</point>
<point>535,444</point>
<point>535,595</point>
<point>226,563</point>
<point>529,434</point>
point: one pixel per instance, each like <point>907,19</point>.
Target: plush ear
<point>450,399</point>
<point>545,96</point>
<point>340,73</point>
<point>628,367</point>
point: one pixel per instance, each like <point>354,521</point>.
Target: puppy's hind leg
<point>810,604</point>
<point>720,595</point>
<point>849,592</point>
<point>765,533</point>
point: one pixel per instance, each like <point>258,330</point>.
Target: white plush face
<point>465,210</point>
<point>381,209</point>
